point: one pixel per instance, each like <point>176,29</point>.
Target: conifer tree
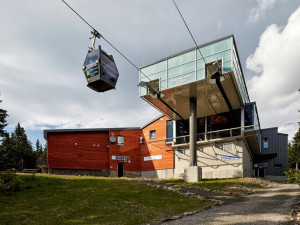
<point>3,122</point>
<point>22,149</point>
<point>294,149</point>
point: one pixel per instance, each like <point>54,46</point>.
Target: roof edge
<point>188,50</point>
<point>87,130</point>
<point>152,121</point>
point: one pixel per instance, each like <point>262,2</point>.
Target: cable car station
<point>209,128</point>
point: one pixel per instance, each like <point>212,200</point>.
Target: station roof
<point>87,130</point>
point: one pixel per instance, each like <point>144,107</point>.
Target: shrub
<point>292,176</point>
<point>9,182</point>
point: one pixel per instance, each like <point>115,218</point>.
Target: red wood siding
<point>91,151</point>
<point>152,147</point>
<point>131,148</point>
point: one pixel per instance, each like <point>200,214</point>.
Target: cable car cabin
<point>100,70</point>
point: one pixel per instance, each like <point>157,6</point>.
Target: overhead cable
<point>157,91</point>
<point>187,27</point>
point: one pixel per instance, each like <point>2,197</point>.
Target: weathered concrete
<point>209,157</point>
<point>192,174</point>
<point>131,174</point>
<point>160,174</point>
<point>76,172</point>
<point>193,131</point>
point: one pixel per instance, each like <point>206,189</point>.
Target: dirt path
<point>271,206</point>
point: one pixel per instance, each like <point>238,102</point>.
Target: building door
<point>261,172</point>
<point>256,172</point>
<point>120,169</point>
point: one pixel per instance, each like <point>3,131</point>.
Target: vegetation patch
<point>236,185</point>
<point>292,176</point>
<point>9,182</point>
<point>215,184</point>
<point>89,200</point>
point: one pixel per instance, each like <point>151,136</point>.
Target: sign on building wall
<point>152,157</point>
<point>228,158</point>
<point>120,158</point>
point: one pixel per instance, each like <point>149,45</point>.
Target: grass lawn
<point>215,184</point>
<point>90,200</point>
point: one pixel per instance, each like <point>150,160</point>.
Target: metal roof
<point>87,130</point>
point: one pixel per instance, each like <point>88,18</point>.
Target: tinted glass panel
<point>266,142</point>
<point>109,68</point>
<point>169,130</point>
<point>91,57</point>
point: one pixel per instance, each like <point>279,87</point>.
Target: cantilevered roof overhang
<point>210,101</point>
<point>184,75</point>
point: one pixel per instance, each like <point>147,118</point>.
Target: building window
<point>121,140</point>
<point>169,130</point>
<point>266,142</point>
<point>152,134</point>
<point>277,165</point>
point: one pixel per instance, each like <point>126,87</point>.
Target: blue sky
<point>43,45</point>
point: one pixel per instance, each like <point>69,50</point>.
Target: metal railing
<point>211,135</point>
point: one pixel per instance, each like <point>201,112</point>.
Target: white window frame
<point>120,140</point>
<point>152,132</point>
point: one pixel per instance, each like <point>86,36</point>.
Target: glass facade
<point>251,117</point>
<point>222,125</point>
<point>190,66</point>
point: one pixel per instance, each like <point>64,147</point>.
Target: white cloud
<point>259,11</point>
<point>275,84</point>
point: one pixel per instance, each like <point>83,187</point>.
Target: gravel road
<point>271,206</point>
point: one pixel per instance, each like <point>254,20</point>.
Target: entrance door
<point>120,169</point>
<point>256,172</point>
<point>261,172</point>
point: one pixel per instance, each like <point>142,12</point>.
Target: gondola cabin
<point>100,70</point>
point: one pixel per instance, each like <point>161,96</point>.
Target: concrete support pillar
<point>193,131</point>
<point>193,173</point>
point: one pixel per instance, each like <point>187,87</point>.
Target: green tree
<point>3,122</point>
<point>38,148</point>
<point>25,157</point>
<point>294,149</point>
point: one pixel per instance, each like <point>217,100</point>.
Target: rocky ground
<point>248,201</point>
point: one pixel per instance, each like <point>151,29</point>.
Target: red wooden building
<point>131,151</point>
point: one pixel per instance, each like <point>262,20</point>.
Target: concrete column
<point>193,131</point>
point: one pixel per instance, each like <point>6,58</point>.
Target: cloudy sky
<point>43,45</point>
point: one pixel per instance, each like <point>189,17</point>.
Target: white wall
<point>209,159</point>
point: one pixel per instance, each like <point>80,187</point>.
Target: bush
<point>9,182</point>
<point>292,176</point>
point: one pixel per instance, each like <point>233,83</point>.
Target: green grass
<point>83,200</point>
<point>215,184</point>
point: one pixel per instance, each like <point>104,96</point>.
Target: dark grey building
<point>273,160</point>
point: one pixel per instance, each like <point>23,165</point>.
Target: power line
<point>190,34</point>
<point>105,39</point>
<point>95,31</point>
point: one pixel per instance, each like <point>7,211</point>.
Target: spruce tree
<point>38,148</point>
<point>294,149</point>
<point>3,122</point>
<point>22,148</point>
